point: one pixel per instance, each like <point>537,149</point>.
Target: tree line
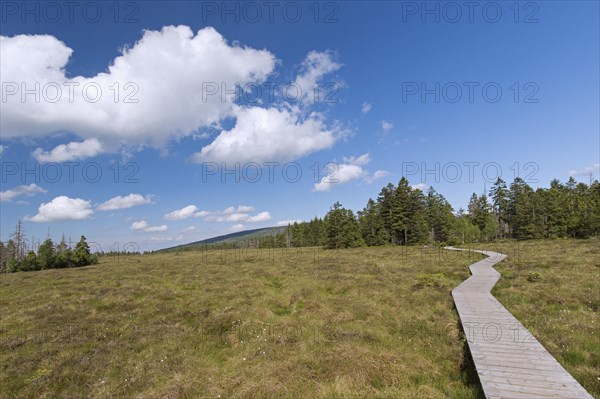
<point>404,215</point>
<point>400,215</point>
<point>14,255</point>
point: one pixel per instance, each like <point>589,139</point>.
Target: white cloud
<point>351,169</point>
<point>63,208</point>
<point>233,217</point>
<point>69,152</point>
<point>595,168</point>
<point>284,132</point>
<point>166,239</point>
<point>234,214</point>
<point>237,227</point>
<point>379,174</point>
<point>344,174</point>
<point>120,202</point>
<point>286,222</point>
<point>156,228</point>
<point>229,217</point>
<point>161,239</point>
<point>360,160</point>
<point>143,226</point>
<point>386,126</point>
<point>314,67</point>
<point>239,209</point>
<point>420,186</point>
<point>269,134</point>
<point>261,217</point>
<point>168,72</point>
<point>185,213</point>
<point>189,229</point>
<point>171,84</point>
<point>366,107</point>
<point>24,190</point>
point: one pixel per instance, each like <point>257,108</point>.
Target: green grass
<point>374,322</point>
<point>553,288</point>
<point>360,323</point>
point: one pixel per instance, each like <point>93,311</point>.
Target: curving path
<point>510,362</point>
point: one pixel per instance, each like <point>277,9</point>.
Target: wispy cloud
<point>72,151</point>
<point>124,202</point>
<point>24,190</point>
<point>386,126</point>
<point>351,169</point>
<point>366,107</point>
<point>185,213</point>
<point>594,169</point>
<point>378,175</point>
<point>232,214</point>
<point>142,225</point>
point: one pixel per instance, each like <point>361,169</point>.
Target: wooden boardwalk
<point>510,362</point>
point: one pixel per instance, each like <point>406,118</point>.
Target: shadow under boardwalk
<point>510,362</point>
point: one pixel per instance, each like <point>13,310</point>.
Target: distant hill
<point>230,238</point>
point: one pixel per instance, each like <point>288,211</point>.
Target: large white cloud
<point>160,89</point>
<point>24,190</point>
<point>63,208</point>
<point>124,202</point>
<point>69,152</point>
<point>269,134</point>
<point>167,70</point>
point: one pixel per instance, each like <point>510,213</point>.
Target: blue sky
<point>404,91</point>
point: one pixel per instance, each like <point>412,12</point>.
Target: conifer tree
<point>47,255</point>
<point>81,254</point>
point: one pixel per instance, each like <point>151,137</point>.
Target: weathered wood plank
<point>510,362</point>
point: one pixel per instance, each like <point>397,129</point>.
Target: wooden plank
<point>510,362</point>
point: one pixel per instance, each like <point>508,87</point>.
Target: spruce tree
<point>81,254</point>
<point>439,216</point>
<point>371,225</point>
<point>499,197</point>
<point>47,255</point>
